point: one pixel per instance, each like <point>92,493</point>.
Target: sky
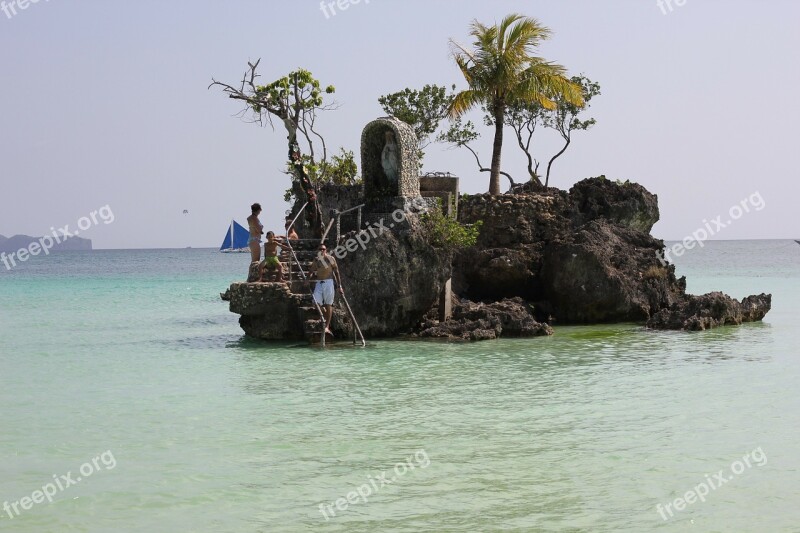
<point>105,104</point>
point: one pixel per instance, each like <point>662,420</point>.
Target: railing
<point>288,230</point>
<point>325,235</point>
<point>356,329</point>
<point>302,272</point>
<point>339,214</point>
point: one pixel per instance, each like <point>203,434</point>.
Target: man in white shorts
<point>326,271</point>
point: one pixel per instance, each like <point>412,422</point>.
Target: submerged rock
<point>715,309</point>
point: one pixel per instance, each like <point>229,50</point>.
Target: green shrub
<point>445,232</point>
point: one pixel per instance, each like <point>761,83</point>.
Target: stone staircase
<point>295,289</point>
<point>306,251</point>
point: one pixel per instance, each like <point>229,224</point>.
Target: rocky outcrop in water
<point>583,256</point>
<point>543,256</point>
<point>479,321</point>
<point>395,279</point>
<point>391,281</point>
<point>697,313</point>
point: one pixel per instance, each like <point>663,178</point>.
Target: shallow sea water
<point>133,352</point>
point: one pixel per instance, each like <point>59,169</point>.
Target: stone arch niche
<point>377,183</point>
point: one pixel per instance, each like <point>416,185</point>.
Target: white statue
<point>390,158</point>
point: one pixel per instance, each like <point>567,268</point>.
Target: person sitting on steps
<point>292,235</point>
<point>271,260</point>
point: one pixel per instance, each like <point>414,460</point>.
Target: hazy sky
<point>106,103</point>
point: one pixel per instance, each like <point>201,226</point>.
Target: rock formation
<point>479,321</point>
<point>696,313</point>
<point>583,256</point>
<point>543,255</point>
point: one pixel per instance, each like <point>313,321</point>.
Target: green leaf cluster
<point>445,232</point>
<point>341,169</point>
<point>423,110</point>
<point>299,89</point>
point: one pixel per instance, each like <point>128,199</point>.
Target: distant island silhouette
<point>17,242</point>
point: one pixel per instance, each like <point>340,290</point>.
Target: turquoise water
<point>133,353</point>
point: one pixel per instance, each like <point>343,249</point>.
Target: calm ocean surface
<point>133,353</point>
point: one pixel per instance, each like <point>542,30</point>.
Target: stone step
<point>305,244</point>
<point>301,254</point>
<point>310,312</point>
<point>313,326</point>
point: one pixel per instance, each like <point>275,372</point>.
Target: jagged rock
<point>582,257</point>
<point>394,279</point>
<point>268,311</point>
<point>607,273</point>
<point>390,282</point>
<point>252,273</point>
<point>715,309</point>
<point>626,204</point>
<point>271,311</point>
<point>479,321</point>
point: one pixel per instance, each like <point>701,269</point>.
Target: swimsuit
<point>252,239</point>
<point>272,261</point>
<point>323,292</point>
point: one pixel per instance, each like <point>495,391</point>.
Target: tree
<point>340,169</point>
<point>501,70</point>
<point>460,135</point>
<point>423,110</point>
<point>525,117</point>
<point>296,100</point>
<point>564,118</point>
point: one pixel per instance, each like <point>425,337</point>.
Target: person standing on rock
<point>256,231</point>
<point>325,269</point>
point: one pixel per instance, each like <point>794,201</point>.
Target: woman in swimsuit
<point>256,231</point>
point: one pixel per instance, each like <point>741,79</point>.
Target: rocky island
<point>542,256</point>
<point>17,242</point>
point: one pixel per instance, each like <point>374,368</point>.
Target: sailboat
<point>235,239</point>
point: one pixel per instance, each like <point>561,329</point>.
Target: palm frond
<point>464,101</point>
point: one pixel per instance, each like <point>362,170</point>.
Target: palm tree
<point>502,69</point>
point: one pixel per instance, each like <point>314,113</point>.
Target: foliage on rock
<point>446,232</point>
